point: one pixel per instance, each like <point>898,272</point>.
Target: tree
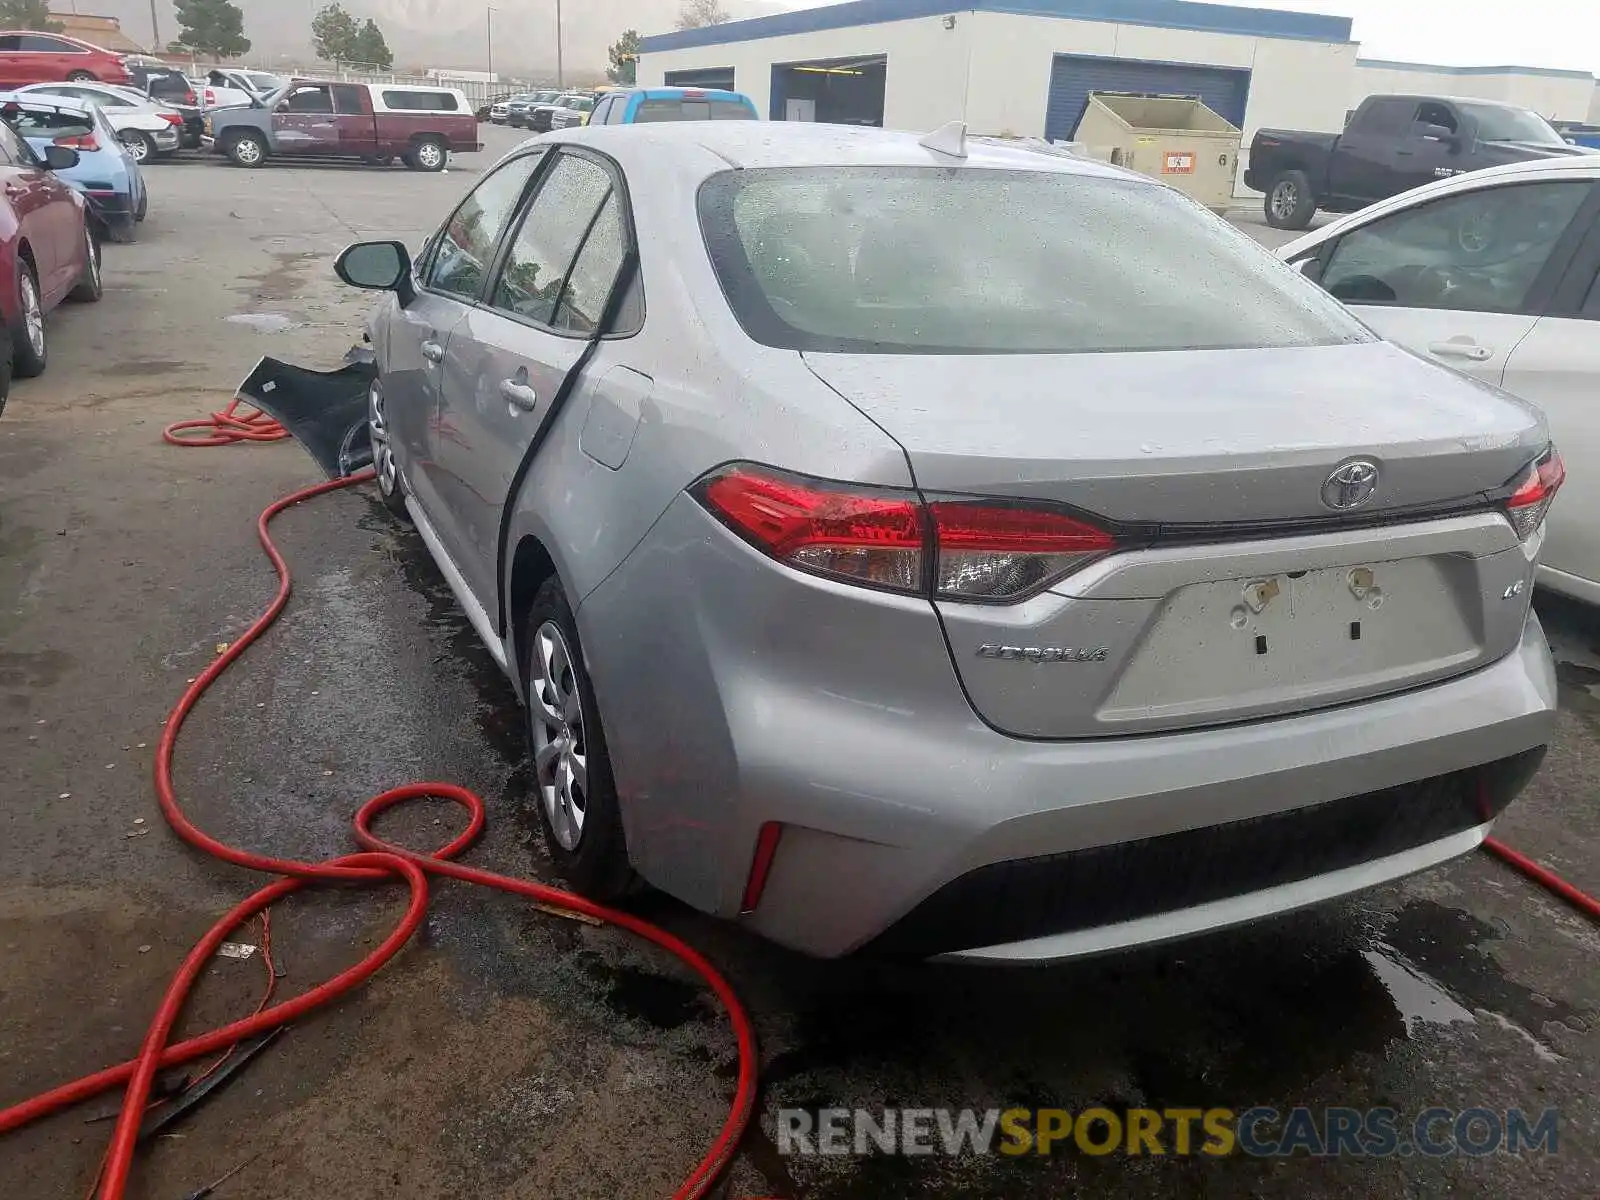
<point>334,33</point>
<point>696,13</point>
<point>371,48</point>
<point>624,55</point>
<point>29,14</point>
<point>211,27</point>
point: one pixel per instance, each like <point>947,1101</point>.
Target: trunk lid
<point>1238,593</point>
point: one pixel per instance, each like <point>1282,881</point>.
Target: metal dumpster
<point>1175,139</point>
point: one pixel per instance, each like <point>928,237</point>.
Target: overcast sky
<point>1470,33</point>
<point>1458,33</point>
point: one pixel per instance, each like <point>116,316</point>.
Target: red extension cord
<point>382,862</point>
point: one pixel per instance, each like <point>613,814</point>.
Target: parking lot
<point>512,1053</point>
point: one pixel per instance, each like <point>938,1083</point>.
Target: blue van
<point>638,105</point>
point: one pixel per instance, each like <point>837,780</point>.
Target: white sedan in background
<point>1494,273</point>
<point>148,128</point>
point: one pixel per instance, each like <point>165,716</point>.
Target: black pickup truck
<point>1391,144</point>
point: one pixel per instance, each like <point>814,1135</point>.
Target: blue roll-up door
<point>1223,90</point>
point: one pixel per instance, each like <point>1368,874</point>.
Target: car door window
<point>594,271</point>
<point>465,246</point>
<point>348,99</point>
<point>1479,251</point>
<point>310,100</point>
<point>48,45</point>
<point>11,43</point>
<point>535,273</point>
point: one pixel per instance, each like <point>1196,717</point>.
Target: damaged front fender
<point>325,411</point>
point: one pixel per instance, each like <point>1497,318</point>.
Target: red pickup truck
<point>375,122</point>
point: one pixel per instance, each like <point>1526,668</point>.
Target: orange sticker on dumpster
<point>1178,162</point>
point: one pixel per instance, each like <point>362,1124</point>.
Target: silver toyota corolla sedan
<point>955,550</point>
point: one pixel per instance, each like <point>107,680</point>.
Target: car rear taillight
<point>1528,504</point>
<point>870,536</point>
<point>86,141</point>
<point>987,551</point>
<point>211,98</point>
<point>172,118</point>
<point>190,98</point>
<point>1000,552</point>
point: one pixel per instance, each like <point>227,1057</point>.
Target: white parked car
<point>1494,273</point>
<point>148,128</point>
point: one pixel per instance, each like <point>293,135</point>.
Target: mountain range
<point>440,33</point>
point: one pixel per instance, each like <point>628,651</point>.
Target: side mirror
<point>1441,134</point>
<point>60,158</point>
<point>1311,268</point>
<point>376,266</point>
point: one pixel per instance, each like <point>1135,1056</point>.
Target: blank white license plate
<point>1295,638</point>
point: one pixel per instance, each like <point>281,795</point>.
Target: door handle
<point>433,352</point>
<point>519,395</point>
<point>1467,350</point>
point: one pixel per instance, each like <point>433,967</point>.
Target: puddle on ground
<point>1419,1000</point>
<point>265,322</point>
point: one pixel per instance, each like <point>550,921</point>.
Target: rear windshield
<point>43,123</point>
<point>933,260</point>
<point>421,101</point>
<point>693,110</point>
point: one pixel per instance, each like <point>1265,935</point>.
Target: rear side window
<point>49,45</point>
<point>690,109</point>
<point>42,123</point>
<point>535,272</point>
<point>421,101</point>
<point>349,99</point>
<point>926,260</point>
<point>1384,116</point>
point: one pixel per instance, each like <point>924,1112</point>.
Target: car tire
<point>91,286</point>
<point>385,467</point>
<point>247,150</point>
<point>141,148</point>
<point>1290,202</point>
<point>143,211</point>
<point>30,347</point>
<point>429,154</point>
<point>82,77</point>
<point>587,844</point>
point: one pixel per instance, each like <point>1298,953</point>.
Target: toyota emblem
<point>1351,485</point>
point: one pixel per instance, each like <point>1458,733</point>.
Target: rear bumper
<point>736,693</point>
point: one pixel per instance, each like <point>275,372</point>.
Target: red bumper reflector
<point>760,866</point>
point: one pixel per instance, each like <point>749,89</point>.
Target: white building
<point>1026,67</point>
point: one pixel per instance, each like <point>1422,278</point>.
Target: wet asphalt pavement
<point>510,1053</point>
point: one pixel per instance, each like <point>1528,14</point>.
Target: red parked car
<point>48,252</point>
<point>51,58</point>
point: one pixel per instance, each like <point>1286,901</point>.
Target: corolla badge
<point>1045,654</point>
<point>1351,485</point>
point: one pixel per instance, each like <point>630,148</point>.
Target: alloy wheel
<point>32,313</point>
<point>560,749</point>
<point>138,148</point>
<point>1285,199</point>
<point>383,462</point>
<point>430,155</point>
